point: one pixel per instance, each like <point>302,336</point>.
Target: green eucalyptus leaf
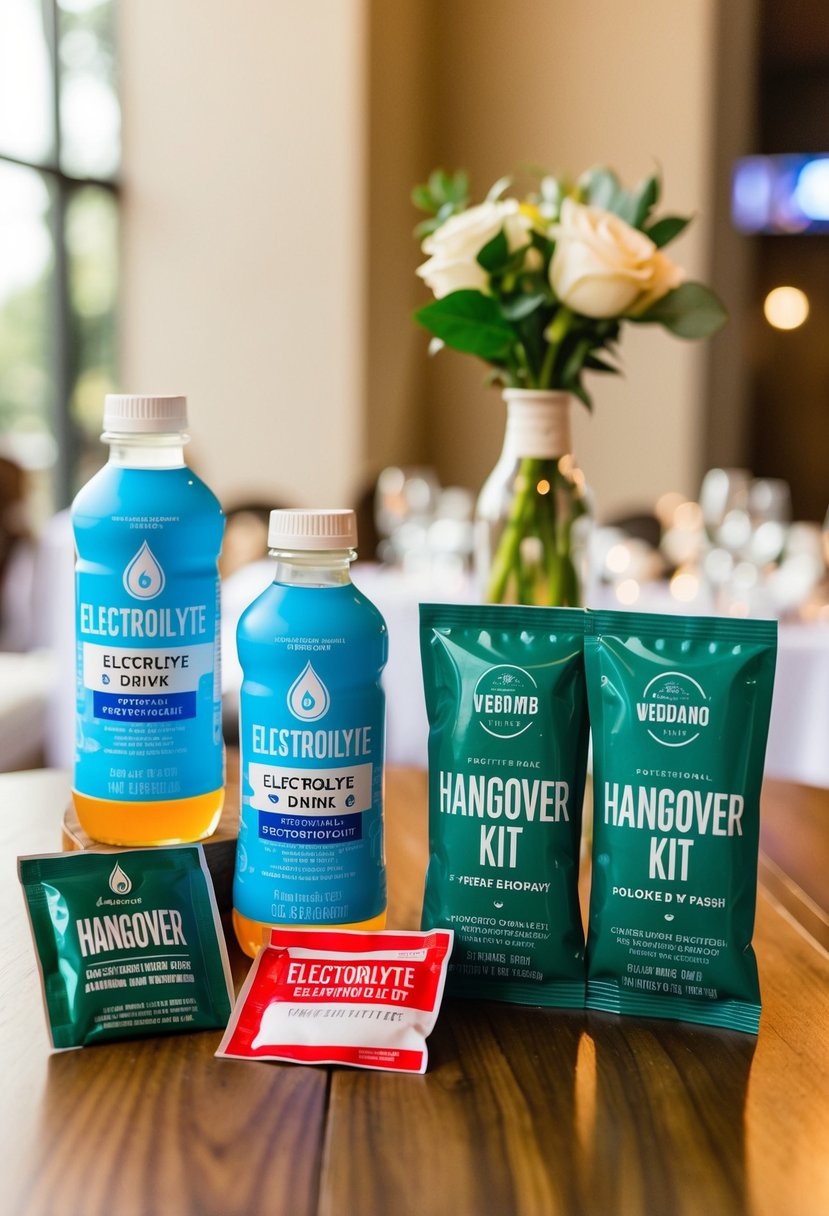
<point>425,227</point>
<point>495,253</point>
<point>521,306</point>
<point>443,190</point>
<point>459,188</point>
<point>689,311</point>
<point>470,322</point>
<point>643,200</point>
<point>603,189</point>
<point>445,211</point>
<point>624,206</point>
<point>422,199</point>
<point>667,229</point>
<point>439,184</point>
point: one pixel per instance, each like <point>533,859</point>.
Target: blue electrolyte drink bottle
<point>312,721</point>
<point>149,759</point>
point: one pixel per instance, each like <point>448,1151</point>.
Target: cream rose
<point>454,247</point>
<point>666,275</point>
<point>602,267</point>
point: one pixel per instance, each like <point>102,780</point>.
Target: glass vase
<point>532,519</point>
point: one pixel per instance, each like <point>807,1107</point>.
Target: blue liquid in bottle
<point>312,723</point>
<point>149,757</point>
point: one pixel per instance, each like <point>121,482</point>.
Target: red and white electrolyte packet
<point>339,996</point>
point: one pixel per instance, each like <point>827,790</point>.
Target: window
<point>59,158</point>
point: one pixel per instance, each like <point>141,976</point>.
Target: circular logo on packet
<point>674,709</point>
<point>505,701</point>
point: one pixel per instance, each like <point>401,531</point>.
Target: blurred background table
<point>522,1111</point>
<point>798,747</point>
<point>37,711</point>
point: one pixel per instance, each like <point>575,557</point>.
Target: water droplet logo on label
<point>143,577</point>
<point>118,881</point>
<point>308,697</point>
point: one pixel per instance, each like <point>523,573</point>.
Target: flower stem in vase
<point>574,509</point>
<point>533,561</point>
<point>507,559</point>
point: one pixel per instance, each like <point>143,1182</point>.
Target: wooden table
<point>522,1110</point>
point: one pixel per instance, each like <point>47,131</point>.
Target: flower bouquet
<point>538,287</point>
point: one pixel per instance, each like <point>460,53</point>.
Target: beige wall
<point>244,168</point>
<point>727,425</point>
<point>400,118</point>
<point>269,153</point>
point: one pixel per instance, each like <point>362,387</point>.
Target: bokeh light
<point>786,307</point>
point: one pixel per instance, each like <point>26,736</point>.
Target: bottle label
<point>145,685</point>
<point>299,806</point>
<point>148,683</point>
<point>311,835</point>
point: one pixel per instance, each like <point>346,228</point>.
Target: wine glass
<point>724,499</point>
<point>770,513</point>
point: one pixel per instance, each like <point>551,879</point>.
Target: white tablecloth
<point>798,747</point>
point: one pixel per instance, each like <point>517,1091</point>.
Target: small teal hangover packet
<point>679,708</point>
<point>128,943</point>
<point>507,712</point>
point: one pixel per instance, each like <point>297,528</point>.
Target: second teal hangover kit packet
<point>679,708</point>
<point>506,699</point>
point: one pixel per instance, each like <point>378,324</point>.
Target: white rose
<point>602,267</point>
<point>454,247</point>
<point>666,275</point>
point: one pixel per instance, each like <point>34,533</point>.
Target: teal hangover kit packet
<point>505,696</point>
<point>679,708</point>
<point>128,943</point>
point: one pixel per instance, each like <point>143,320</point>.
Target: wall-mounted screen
<point>781,194</point>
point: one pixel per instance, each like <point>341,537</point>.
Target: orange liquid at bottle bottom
<point>251,934</point>
<point>171,821</point>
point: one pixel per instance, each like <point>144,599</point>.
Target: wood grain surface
<point>794,860</point>
<point>523,1111</point>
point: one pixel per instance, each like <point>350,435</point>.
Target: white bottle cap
<point>136,414</point>
<point>297,529</point>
